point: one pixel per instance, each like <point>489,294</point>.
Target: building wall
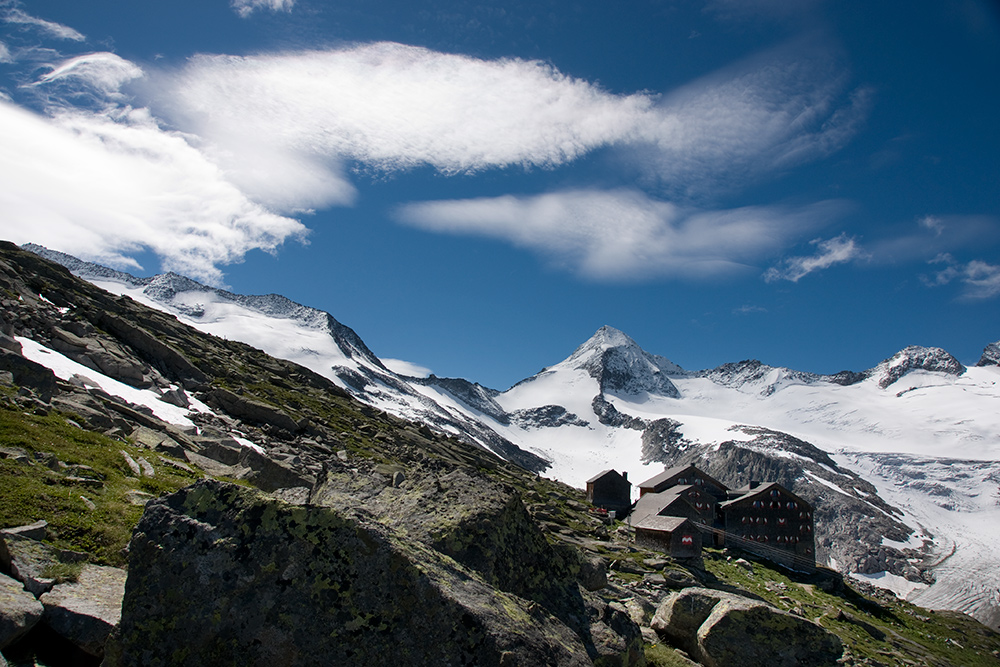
<point>771,524</point>
<point>682,543</point>
<point>610,492</point>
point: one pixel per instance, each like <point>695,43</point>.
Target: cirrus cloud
<point>837,250</point>
<point>624,234</point>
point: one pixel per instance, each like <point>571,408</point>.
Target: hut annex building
<point>684,508</point>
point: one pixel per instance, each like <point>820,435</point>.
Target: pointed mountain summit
<point>620,366</point>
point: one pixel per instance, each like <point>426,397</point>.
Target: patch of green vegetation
<point>88,509</point>
<point>63,572</point>
<point>888,631</point>
<point>662,655</point>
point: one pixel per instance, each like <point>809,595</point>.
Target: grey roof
<point>663,476</point>
<point>652,504</point>
<point>656,480</point>
<point>746,493</point>
<point>666,524</point>
<point>602,474</point>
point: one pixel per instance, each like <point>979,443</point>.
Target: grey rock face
<point>991,355</point>
<point>19,611</point>
<point>85,611</point>
<point>222,575</point>
<point>913,358</point>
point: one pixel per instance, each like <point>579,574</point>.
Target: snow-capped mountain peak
<point>913,358</point>
<point>622,367</point>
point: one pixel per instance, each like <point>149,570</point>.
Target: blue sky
<point>476,189</point>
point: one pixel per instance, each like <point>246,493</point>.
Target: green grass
<point>912,635</point>
<point>30,491</point>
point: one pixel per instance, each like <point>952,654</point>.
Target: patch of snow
<point>65,368</point>
<point>249,444</point>
<point>903,588</point>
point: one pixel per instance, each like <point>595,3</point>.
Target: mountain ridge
<point>612,404</point>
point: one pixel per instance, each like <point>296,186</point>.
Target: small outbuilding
<point>675,536</point>
<point>611,491</point>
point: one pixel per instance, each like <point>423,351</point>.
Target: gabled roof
<point>603,473</point>
<point>652,504</point>
<point>656,480</point>
<point>746,493</point>
<point>665,523</point>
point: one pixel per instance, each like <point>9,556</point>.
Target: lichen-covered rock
<point>29,561</point>
<point>484,525</point>
<point>750,633</point>
<point>220,574</point>
<point>19,611</point>
<point>86,610</point>
<point>722,629</point>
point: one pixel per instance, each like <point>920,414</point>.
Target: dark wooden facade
<point>675,536</point>
<point>611,491</point>
<point>681,476</point>
<point>771,521</point>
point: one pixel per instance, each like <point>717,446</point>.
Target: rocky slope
<point>416,546</point>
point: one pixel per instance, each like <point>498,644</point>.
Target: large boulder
<point>722,629</point>
<point>483,524</point>
<point>221,574</point>
<point>86,610</point>
<point>19,611</point>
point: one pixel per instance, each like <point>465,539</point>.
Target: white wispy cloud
<point>935,235</point>
<point>833,251</point>
<point>99,76</point>
<point>406,368</point>
<point>5,54</point>
<point>276,134</point>
<point>769,113</point>
<point>11,12</point>
<point>389,106</point>
<point>247,7</point>
<point>980,280</point>
<point>106,187</point>
<point>624,234</point>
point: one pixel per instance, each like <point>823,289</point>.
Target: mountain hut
<point>769,520</point>
<point>611,491</point>
<point>675,536</point>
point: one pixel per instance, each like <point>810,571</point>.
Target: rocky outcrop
<point>219,574</point>
<point>722,629</point>
<point>916,357</point>
<point>31,562</point>
<point>85,611</point>
<point>484,526</point>
<point>991,355</point>
<point>19,611</point>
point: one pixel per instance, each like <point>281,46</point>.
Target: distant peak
<point>608,336</point>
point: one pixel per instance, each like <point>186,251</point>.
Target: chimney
<point>754,483</point>
<point>625,475</point>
